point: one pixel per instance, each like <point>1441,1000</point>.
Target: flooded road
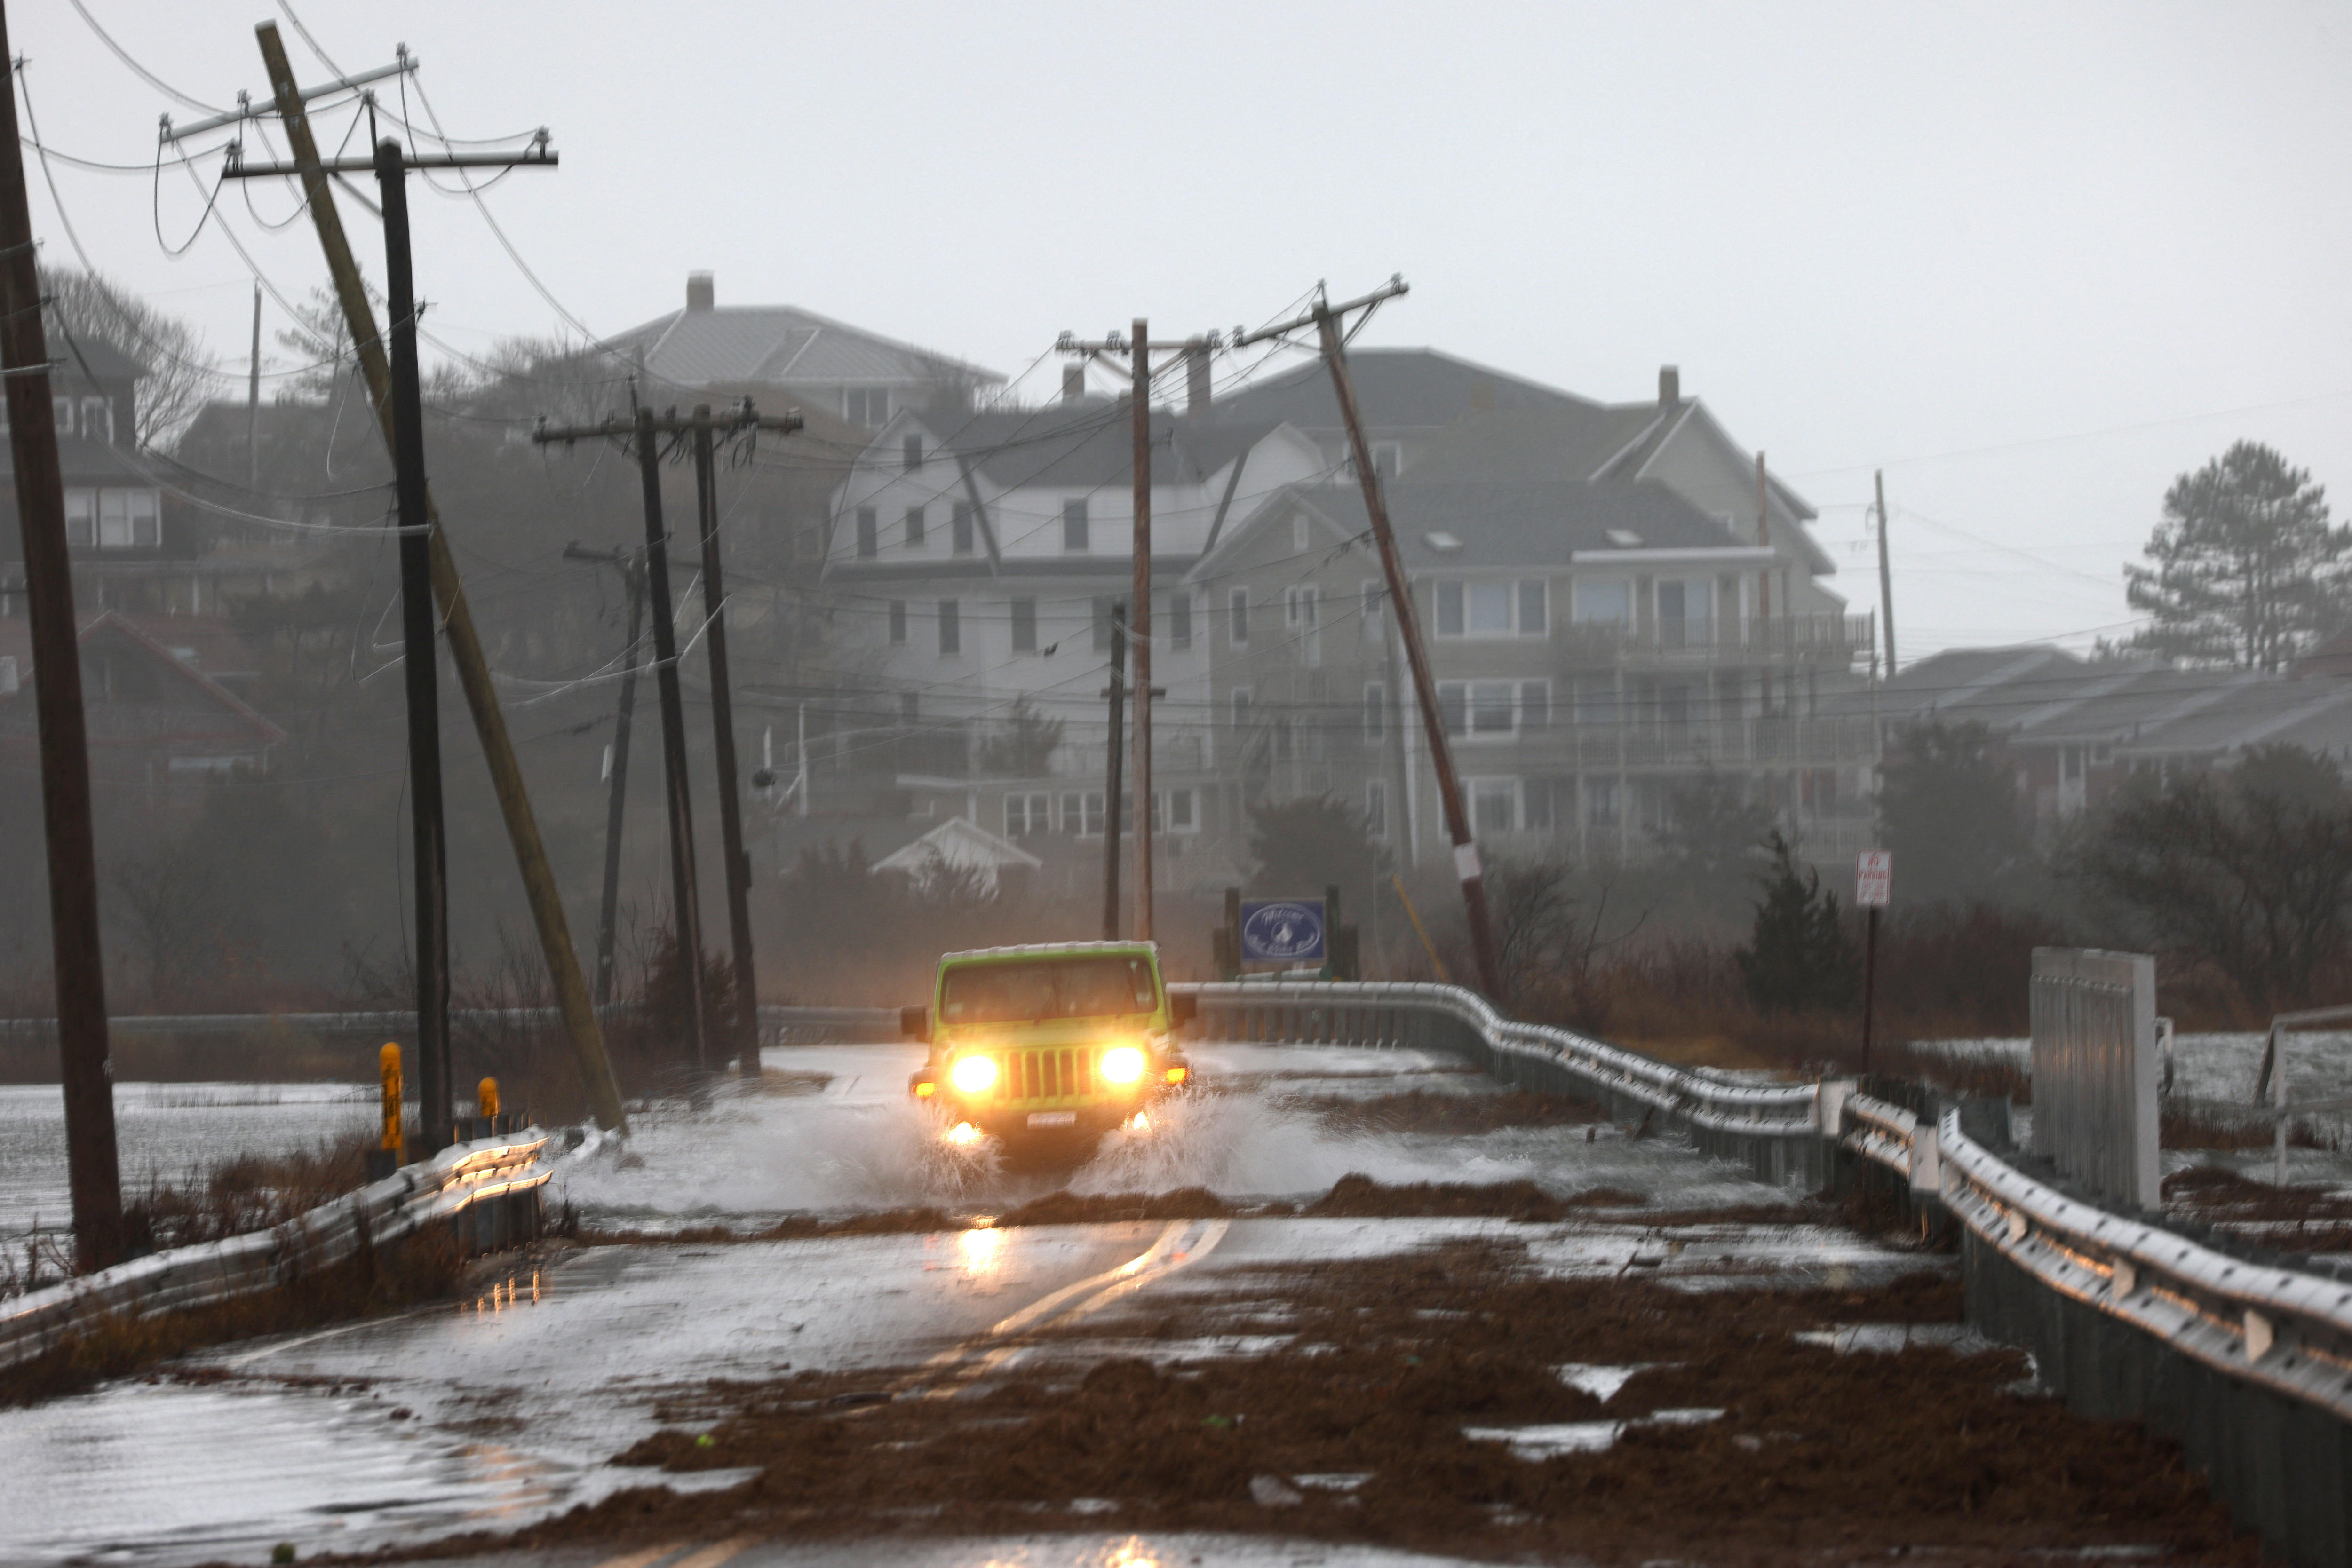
<point>511,1404</point>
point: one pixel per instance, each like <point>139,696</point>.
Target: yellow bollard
<point>388,1062</point>
<point>486,1098</point>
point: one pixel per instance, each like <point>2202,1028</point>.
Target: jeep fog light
<point>974,1074</point>
<point>1122,1064</point>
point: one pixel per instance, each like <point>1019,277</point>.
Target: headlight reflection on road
<point>1122,1064</point>
<point>982,1248</point>
<point>963,1134</point>
<point>973,1073</point>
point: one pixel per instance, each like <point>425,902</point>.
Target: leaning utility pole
<point>722,720</point>
<point>685,890</point>
<point>1139,350</point>
<point>422,671</point>
<point>93,1168</point>
<point>465,640</point>
<point>633,578</point>
<point>1326,319</point>
<point>1885,575</point>
<point>1116,751</point>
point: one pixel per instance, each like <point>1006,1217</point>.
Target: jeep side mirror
<point>1183,1010</point>
<point>915,1023</point>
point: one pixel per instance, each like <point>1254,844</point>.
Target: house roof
<point>780,345</point>
<point>959,843</point>
<point>1088,444</point>
<point>1533,445</point>
<point>1508,525</point>
<point>1398,388</point>
<point>16,639</point>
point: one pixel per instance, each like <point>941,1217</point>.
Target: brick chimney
<point>1670,386</point>
<point>1073,382</point>
<point>701,293</point>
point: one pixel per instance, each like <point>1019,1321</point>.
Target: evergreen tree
<point>1948,811</point>
<point>2245,570</point>
<point>1798,958</point>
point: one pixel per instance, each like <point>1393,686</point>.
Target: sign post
<point>1874,885</point>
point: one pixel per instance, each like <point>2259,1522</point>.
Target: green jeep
<point>1049,1044</point>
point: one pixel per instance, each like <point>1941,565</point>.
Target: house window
<point>81,518</point>
<point>1535,806</point>
<point>1282,737</point>
<point>1601,803</point>
<point>1182,815</point>
<point>865,405</point>
<point>1683,613</point>
<point>1237,617</point>
<point>1494,805</point>
<point>1376,711</point>
<point>98,418</point>
<point>960,529</point>
<point>1027,814</point>
<point>910,707</point>
<point>1298,532</point>
<point>1074,525</point>
<point>1499,608</point>
<point>1535,705</point>
<point>1485,710</point>
<point>1376,808</point>
<point>1240,701</point>
<point>1082,813</point>
<point>1596,701</point>
<point>868,534</point>
<point>898,623</point>
<point>1180,619</point>
<point>1387,457</point>
<point>61,408</point>
<point>910,451</point>
<point>950,627</point>
<point>1025,625</point>
<point>1299,605</point>
<point>914,526</point>
<point>1375,603</point>
<point>1603,603</point>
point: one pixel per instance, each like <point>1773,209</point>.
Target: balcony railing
<point>1809,637</point>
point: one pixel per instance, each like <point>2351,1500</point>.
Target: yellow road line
<point>644,1559</point>
<point>712,1557</point>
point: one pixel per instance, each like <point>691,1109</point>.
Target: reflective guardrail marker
<point>388,1064</point>
<point>486,1098</point>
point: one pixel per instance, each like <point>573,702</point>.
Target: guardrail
<point>490,1189</point>
<point>1773,1128</point>
<point>2249,1364</point>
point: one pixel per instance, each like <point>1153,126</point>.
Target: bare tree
<point>164,909</point>
<point>2249,870</point>
<point>181,375</point>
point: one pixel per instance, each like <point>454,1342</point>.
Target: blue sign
<point>1283,931</point>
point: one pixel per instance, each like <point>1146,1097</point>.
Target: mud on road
<point>1340,1401</point>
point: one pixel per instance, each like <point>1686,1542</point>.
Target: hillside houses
<point>1604,618</point>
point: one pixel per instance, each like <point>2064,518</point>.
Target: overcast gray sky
<point>2033,259</point>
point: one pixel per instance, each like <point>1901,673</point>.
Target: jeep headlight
<point>974,1074</point>
<point>1122,1064</point>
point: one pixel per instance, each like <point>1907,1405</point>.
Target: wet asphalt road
<point>508,1406</point>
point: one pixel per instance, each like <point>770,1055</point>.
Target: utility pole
<point>93,1168</point>
<point>457,617</point>
<point>1885,575</point>
<point>722,718</point>
<point>632,577</point>
<point>253,400</point>
<point>645,430</point>
<point>1140,348</point>
<point>1116,749</point>
<point>421,669</point>
<point>1326,319</point>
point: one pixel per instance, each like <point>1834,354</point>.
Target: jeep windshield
<point>1029,990</point>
